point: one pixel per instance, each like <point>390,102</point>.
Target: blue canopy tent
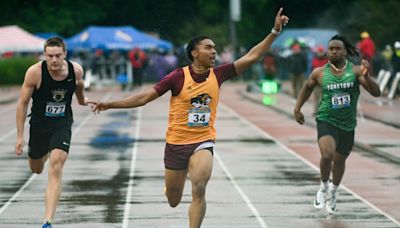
<point>47,35</point>
<point>310,37</point>
<point>115,38</point>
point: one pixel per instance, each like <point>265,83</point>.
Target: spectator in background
<point>396,57</point>
<point>297,68</point>
<point>138,60</point>
<point>158,65</point>
<point>226,55</point>
<point>367,48</point>
<point>171,60</point>
<point>269,66</point>
<point>395,63</point>
<point>387,54</point>
<point>319,60</point>
<point>98,64</point>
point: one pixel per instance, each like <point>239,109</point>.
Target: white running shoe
<point>320,199</point>
<point>331,201</point>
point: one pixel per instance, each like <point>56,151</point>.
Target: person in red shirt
<point>318,60</point>
<point>367,48</point>
<point>269,66</point>
<point>191,133</point>
<point>138,60</point>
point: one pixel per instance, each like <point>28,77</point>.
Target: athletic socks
<point>333,187</point>
<point>324,186</point>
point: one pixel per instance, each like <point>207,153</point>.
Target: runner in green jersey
<point>336,116</point>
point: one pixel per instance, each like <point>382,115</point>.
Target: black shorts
<point>344,139</point>
<point>176,157</point>
<point>45,138</point>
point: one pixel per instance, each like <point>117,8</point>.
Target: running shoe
<point>320,199</point>
<point>331,201</point>
<point>47,225</point>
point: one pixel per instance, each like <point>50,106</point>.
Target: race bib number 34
<point>340,101</point>
<point>198,118</point>
<point>55,109</point>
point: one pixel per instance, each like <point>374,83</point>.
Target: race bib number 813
<point>340,101</point>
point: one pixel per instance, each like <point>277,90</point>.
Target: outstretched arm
<point>364,77</point>
<point>79,84</point>
<point>305,94</point>
<point>259,50</point>
<point>132,101</point>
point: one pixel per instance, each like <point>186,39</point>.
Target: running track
<point>265,173</point>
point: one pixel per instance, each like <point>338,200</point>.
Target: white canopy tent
<point>15,39</point>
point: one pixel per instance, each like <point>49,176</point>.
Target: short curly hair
<point>192,45</point>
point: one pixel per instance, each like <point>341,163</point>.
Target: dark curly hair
<point>353,54</point>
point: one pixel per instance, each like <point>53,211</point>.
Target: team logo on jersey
<point>201,101</point>
<point>59,94</point>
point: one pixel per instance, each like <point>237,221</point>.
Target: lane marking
<point>2,138</point>
<point>12,199</point>
<point>240,191</point>
<point>128,197</point>
<point>33,176</point>
<point>308,163</point>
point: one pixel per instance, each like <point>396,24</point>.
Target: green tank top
<point>339,98</point>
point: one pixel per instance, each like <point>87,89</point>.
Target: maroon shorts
<point>177,157</point>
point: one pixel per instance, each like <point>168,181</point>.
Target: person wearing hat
<point>297,68</point>
<point>367,48</point>
<point>396,57</point>
<point>319,59</point>
<point>395,62</point>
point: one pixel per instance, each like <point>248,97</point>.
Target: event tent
<point>15,39</point>
<point>47,35</point>
<point>114,38</point>
<point>310,37</point>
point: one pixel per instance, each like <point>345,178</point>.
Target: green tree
<point>179,20</point>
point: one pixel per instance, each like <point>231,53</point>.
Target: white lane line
<point>2,138</point>
<point>12,199</point>
<point>128,198</point>
<point>309,163</point>
<point>241,193</point>
<point>33,176</point>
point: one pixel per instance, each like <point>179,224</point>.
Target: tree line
<point>179,20</point>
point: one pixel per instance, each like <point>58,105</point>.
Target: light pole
<point>234,17</point>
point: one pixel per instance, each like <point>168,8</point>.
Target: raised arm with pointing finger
<point>240,65</point>
<point>191,133</point>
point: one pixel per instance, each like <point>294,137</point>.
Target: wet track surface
<point>263,175</point>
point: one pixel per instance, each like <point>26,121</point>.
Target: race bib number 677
<point>55,109</point>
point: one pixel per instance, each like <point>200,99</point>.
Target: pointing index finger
<point>279,12</point>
